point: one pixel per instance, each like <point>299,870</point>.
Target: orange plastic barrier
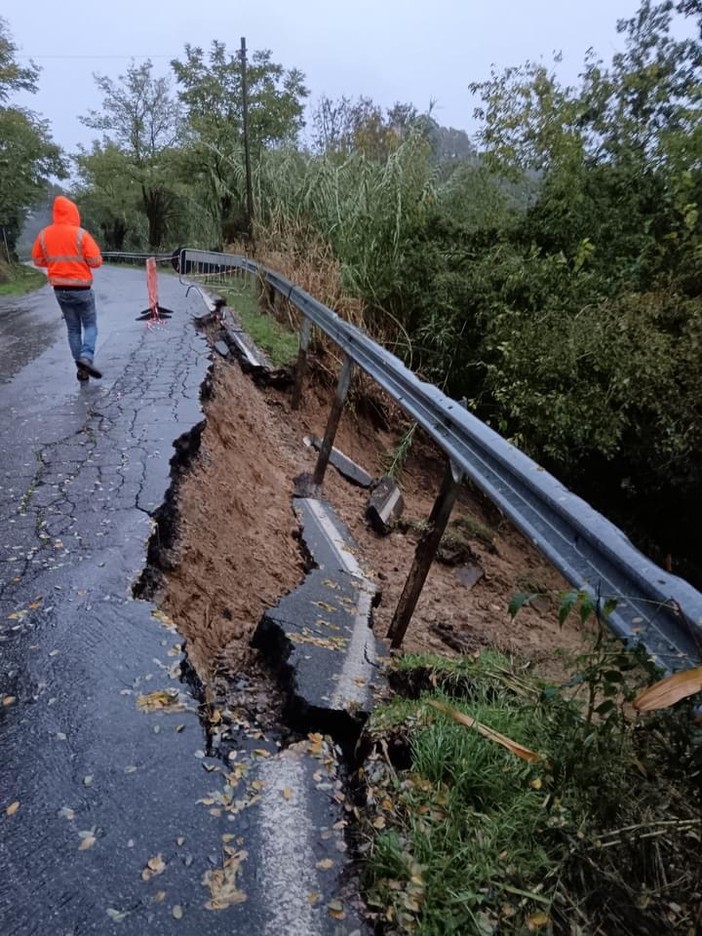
<point>152,286</point>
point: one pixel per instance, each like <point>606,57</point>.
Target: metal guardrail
<point>120,256</point>
<point>654,608</point>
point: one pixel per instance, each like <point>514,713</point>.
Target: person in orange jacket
<point>71,254</point>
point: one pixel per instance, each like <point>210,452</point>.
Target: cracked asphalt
<point>113,816</point>
<point>82,468</point>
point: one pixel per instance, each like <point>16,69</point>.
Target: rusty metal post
<point>424,554</point>
<point>301,366</point>
<point>342,388</point>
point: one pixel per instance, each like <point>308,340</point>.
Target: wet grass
<point>278,342</point>
<point>19,279</point>
<point>601,833</point>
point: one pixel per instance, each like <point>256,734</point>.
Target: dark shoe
<point>82,373</point>
<point>88,366</point>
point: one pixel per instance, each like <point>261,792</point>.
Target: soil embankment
<point>238,550</point>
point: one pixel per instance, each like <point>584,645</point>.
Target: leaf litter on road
<point>160,700</point>
<point>154,867</point>
<point>222,882</point>
<point>87,840</point>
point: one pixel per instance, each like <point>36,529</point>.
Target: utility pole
<point>247,154</point>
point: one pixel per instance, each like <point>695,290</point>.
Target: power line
<point>90,56</point>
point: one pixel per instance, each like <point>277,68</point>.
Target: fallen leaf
<point>154,866</point>
<point>157,700</point>
<point>87,841</point>
<point>12,808</point>
<point>379,822</point>
<point>512,746</point>
<point>537,921</point>
<point>160,896</point>
<point>325,864</point>
<point>177,912</point>
<point>287,793</point>
<point>164,619</point>
<point>313,898</point>
<point>180,840</point>
<point>9,700</point>
<point>116,915</point>
<point>536,784</point>
<point>66,813</point>
<point>222,884</point>
<point>336,910</point>
<point>87,781</point>
<point>670,690</point>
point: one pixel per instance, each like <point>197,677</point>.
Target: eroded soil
<point>238,550</point>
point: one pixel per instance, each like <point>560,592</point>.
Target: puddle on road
<point>24,335</point>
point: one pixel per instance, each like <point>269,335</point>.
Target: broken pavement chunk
<point>343,464</point>
<point>385,505</point>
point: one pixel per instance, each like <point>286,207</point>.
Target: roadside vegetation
<point>279,341</point>
<point>17,279</point>
<point>502,804</point>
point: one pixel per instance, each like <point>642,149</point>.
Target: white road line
<point>357,672</point>
<point>336,541</point>
<point>287,859</point>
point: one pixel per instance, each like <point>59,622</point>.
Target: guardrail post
<point>342,388</point>
<point>425,553</point>
<point>301,366</point>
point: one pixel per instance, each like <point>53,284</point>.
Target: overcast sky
<point>406,50</point>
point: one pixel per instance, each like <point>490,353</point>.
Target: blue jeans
<point>78,307</point>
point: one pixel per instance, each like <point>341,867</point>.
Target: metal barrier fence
<point>654,608</point>
<point>136,257</point>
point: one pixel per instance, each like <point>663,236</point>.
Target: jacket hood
<point>65,211</point>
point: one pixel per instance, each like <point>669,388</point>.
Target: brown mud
<point>238,548</point>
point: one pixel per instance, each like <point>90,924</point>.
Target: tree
<point>13,76</point>
<point>591,307</point>
<point>28,156</point>
<point>633,110</point>
<point>109,196</point>
<point>140,119</point>
<point>346,126</point>
<point>210,92</point>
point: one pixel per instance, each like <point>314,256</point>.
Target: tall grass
<point>599,836</point>
<point>337,224</point>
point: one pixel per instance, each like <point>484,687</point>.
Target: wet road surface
<point>113,819</point>
<point>28,324</point>
<point>81,468</point>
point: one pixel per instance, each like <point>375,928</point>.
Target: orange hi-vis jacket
<point>66,249</point>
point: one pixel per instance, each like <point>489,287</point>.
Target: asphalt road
<point>81,469</point>
<point>92,787</point>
